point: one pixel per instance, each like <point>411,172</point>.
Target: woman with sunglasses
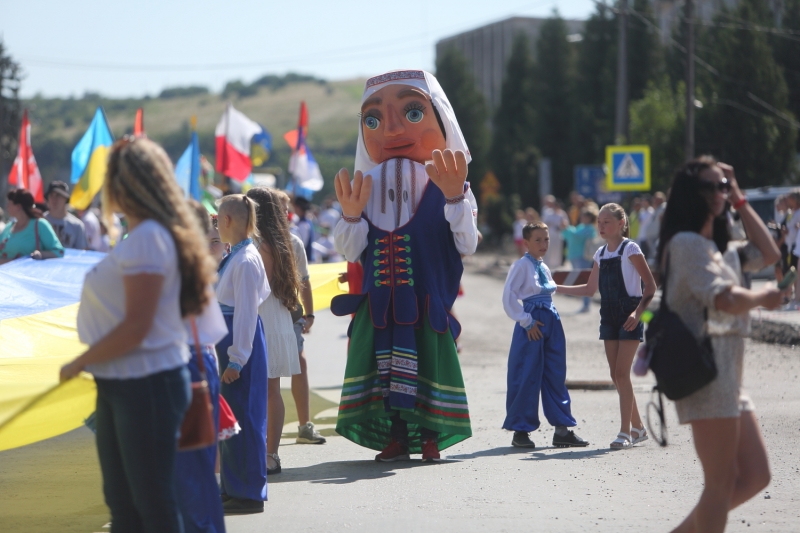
<point>705,279</point>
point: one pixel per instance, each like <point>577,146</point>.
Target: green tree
<point>748,123</point>
<point>594,97</point>
<point>787,54</point>
<point>514,156</point>
<point>10,113</point>
<point>552,97</point>
<point>469,106</point>
<point>657,120</point>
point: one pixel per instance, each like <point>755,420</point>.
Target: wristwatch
<point>308,316</point>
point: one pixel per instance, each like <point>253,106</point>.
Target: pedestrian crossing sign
<point>628,168</point>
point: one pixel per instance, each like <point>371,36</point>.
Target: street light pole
<point>621,115</point>
<point>689,17</point>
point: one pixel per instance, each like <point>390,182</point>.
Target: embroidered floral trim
<point>226,433</point>
<point>393,76</point>
<point>351,220</point>
<point>455,199</point>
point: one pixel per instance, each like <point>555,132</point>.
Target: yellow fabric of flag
<point>33,405</point>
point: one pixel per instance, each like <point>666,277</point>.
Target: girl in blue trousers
<point>242,287</point>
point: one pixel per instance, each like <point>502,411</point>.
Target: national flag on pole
<point>187,169</point>
<point>302,165</point>
<point>90,160</point>
<point>25,172</point>
<point>234,133</point>
<point>138,124</point>
<point>261,147</point>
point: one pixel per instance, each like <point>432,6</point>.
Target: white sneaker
<point>308,435</point>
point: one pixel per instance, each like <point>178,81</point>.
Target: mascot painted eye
<point>373,123</point>
<point>414,115</point>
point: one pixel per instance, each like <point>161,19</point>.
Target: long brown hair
<point>140,183</point>
<point>274,229</point>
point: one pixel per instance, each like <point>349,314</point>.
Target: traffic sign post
<point>587,178</point>
<point>628,168</point>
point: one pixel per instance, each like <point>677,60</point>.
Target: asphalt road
<point>484,484</point>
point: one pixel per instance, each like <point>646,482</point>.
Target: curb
<point>766,331</point>
<point>773,332</point>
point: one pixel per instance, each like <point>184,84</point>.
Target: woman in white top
<point>275,247</point>
<point>131,315</point>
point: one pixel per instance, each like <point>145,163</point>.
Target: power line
<point>717,73</point>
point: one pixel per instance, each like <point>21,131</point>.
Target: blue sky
<point>139,47</point>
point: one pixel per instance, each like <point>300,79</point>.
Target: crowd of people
<point>573,232</point>
<point>238,284</point>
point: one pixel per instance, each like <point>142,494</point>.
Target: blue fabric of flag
<point>187,169</point>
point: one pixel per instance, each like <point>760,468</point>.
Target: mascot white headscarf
<point>427,83</point>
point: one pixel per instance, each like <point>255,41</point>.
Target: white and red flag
<point>234,133</point>
<point>25,172</point>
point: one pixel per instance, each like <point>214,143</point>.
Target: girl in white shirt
<point>275,247</point>
<point>131,316</point>
<point>242,287</point>
<point>618,269</point>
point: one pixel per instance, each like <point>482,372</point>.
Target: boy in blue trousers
<point>537,361</point>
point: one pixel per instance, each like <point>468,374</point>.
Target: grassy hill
<point>58,123</point>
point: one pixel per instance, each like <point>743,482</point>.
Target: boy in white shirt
<point>537,361</point>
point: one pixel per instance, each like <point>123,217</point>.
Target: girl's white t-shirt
<point>633,281</point>
<point>149,249</point>
<point>518,226</point>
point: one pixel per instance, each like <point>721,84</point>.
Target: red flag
<point>296,138</point>
<point>138,125</point>
<point>25,173</point>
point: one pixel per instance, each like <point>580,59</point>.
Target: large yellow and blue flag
<point>90,160</point>
<point>38,311</point>
<point>38,334</point>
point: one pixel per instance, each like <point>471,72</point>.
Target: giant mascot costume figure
<point>409,215</point>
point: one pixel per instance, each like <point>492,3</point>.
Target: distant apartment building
<point>488,49</point>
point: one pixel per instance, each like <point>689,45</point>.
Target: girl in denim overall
<point>618,270</point>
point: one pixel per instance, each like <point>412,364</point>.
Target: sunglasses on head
<point>721,186</point>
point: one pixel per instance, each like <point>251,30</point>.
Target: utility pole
<point>689,17</point>
<point>621,115</point>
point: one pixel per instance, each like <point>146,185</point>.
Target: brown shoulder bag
<point>197,429</point>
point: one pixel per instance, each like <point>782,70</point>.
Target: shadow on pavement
<point>567,454</point>
<point>345,472</point>
<point>492,452</point>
